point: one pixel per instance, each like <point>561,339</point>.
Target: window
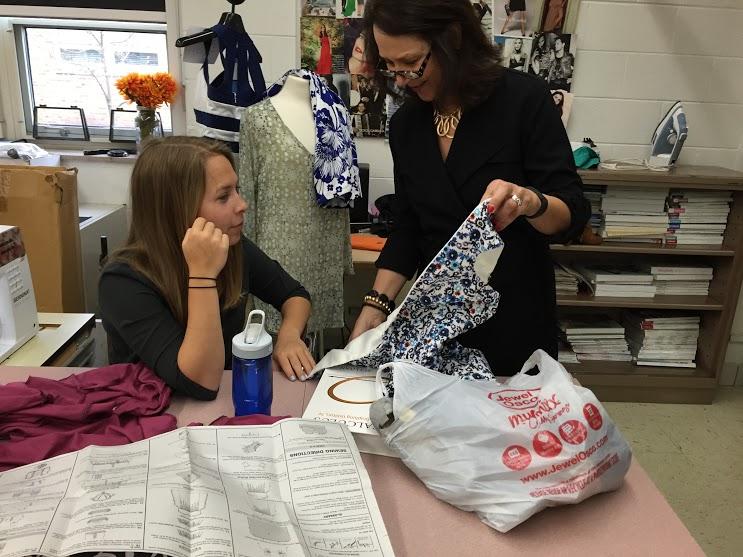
<point>64,64</point>
<point>80,56</point>
<point>137,58</point>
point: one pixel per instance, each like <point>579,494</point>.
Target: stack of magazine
<point>681,281</point>
<point>697,217</point>
<point>634,215</point>
<point>596,337</point>
<point>566,280</point>
<point>565,354</point>
<point>594,194</point>
<point>619,281</point>
<point>662,339</point>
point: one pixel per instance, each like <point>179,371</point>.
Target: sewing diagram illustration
<point>188,501</point>
<point>267,518</point>
<point>313,429</point>
<point>337,544</point>
<point>257,488</point>
<point>262,489</point>
<point>189,535</point>
<point>267,508</point>
<point>273,552</point>
<point>38,471</point>
<point>268,530</point>
<point>189,476</point>
<point>103,496</point>
<point>252,447</point>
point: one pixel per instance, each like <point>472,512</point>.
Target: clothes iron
<point>668,138</point>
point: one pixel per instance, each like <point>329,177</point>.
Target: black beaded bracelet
<point>377,306</point>
<point>202,278</point>
<point>379,301</point>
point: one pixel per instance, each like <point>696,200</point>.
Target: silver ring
<point>517,200</point>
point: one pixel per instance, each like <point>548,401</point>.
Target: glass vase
<point>148,125</point>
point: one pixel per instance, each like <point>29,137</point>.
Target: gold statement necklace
<point>446,124</point>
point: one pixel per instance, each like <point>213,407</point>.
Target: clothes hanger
<point>229,19</point>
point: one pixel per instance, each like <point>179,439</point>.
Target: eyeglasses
<point>406,74</point>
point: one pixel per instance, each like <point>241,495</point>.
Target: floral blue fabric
<point>336,169</point>
<point>448,299</point>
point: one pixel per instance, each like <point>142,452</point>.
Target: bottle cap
<point>254,342</point>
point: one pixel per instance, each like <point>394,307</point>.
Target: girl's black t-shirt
<point>142,328</point>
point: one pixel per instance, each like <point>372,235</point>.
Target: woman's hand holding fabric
<point>367,320</point>
<point>205,249</point>
<point>508,201</point>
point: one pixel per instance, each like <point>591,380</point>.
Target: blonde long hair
<point>167,187</point>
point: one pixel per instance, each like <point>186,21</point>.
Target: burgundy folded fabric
<point>41,418</point>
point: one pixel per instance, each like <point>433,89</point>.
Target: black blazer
<point>515,135</point>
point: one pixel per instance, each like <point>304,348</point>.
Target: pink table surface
<point>634,521</point>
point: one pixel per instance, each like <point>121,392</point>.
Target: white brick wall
<point>635,58</point>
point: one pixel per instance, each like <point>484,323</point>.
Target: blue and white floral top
<point>336,169</point>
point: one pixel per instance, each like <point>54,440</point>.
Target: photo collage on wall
<point>530,34</point>
<point>332,45</point>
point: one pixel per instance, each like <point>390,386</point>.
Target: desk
<point>364,257</point>
<point>63,339</point>
<point>633,521</point>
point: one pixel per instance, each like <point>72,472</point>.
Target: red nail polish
<point>490,209</point>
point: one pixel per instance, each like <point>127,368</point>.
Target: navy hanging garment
<point>219,103</point>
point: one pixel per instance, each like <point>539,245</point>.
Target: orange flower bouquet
<point>148,92</point>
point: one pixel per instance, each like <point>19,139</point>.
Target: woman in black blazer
<point>472,130</point>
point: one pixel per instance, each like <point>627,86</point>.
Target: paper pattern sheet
<point>294,488</point>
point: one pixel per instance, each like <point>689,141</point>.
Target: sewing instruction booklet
<point>344,395</point>
<point>294,488</point>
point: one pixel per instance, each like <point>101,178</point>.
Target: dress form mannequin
<point>292,104</point>
<point>277,162</point>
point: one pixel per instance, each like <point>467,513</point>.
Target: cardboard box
<point>42,202</point>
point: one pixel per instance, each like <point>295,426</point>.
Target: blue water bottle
<point>252,373</point>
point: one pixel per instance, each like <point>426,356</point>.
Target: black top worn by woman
<point>516,135</point>
<point>141,326</point>
<point>517,5</point>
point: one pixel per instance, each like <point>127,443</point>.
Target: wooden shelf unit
<point>640,249</point>
<point>686,303</point>
<point>615,381</point>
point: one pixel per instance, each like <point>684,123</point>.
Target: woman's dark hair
<point>470,63</point>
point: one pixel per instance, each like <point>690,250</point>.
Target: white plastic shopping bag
<point>505,450</point>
